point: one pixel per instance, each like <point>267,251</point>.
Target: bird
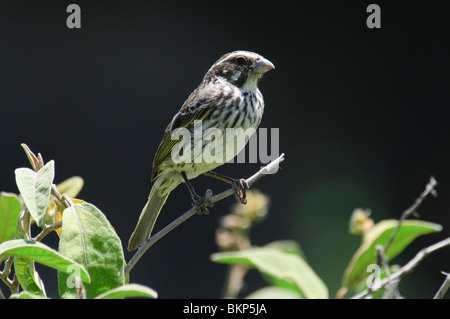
<point>228,97</point>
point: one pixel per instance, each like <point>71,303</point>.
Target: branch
<point>47,230</point>
<point>13,284</point>
<point>444,287</point>
<point>418,258</point>
<point>429,189</point>
<point>268,169</point>
<point>381,255</point>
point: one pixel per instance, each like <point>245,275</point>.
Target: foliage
<point>90,261</point>
<point>283,264</point>
<point>366,254</point>
<point>282,269</point>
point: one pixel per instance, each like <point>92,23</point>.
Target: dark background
<point>362,113</point>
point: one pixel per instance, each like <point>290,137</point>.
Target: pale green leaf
<point>26,295</point>
<point>39,253</point>
<point>288,246</point>
<point>35,189</point>
<point>274,292</point>
<point>281,268</point>
<point>130,290</point>
<point>71,186</point>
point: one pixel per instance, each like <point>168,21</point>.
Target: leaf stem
<point>47,230</point>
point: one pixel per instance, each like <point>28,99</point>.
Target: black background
<point>362,113</point>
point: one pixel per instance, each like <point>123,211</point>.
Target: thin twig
<point>12,284</point>
<point>47,230</point>
<point>444,287</point>
<point>382,260</point>
<point>8,264</point>
<point>418,258</point>
<point>429,189</point>
<point>62,200</point>
<point>381,256</point>
<point>268,169</point>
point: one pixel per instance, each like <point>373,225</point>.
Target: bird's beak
<point>262,66</point>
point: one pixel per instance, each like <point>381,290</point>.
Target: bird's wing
<point>190,112</point>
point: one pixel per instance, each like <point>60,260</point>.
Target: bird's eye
<point>240,60</point>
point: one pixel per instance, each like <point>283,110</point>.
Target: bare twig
<point>381,256</point>
<point>429,189</point>
<point>391,286</point>
<point>381,251</point>
<point>444,287</point>
<point>418,258</point>
<point>268,169</point>
<point>47,230</point>
<point>12,284</point>
<point>62,200</point>
<point>8,264</point>
<point>382,260</point>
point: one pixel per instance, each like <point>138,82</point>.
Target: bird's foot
<point>240,186</point>
<point>201,203</point>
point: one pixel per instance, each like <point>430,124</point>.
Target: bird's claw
<point>201,203</point>
<point>240,186</point>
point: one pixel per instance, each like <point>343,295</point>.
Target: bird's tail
<point>147,219</point>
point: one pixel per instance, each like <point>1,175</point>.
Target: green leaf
<point>26,295</point>
<point>130,290</point>
<point>28,277</point>
<point>35,189</point>
<point>88,238</point>
<point>288,246</point>
<point>71,186</point>
<point>9,212</point>
<point>274,292</point>
<point>40,253</point>
<point>280,268</point>
<point>24,268</point>
<point>380,234</point>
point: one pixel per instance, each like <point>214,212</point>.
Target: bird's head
<point>241,68</point>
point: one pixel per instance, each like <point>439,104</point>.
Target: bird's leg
<point>239,184</point>
<point>200,203</point>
